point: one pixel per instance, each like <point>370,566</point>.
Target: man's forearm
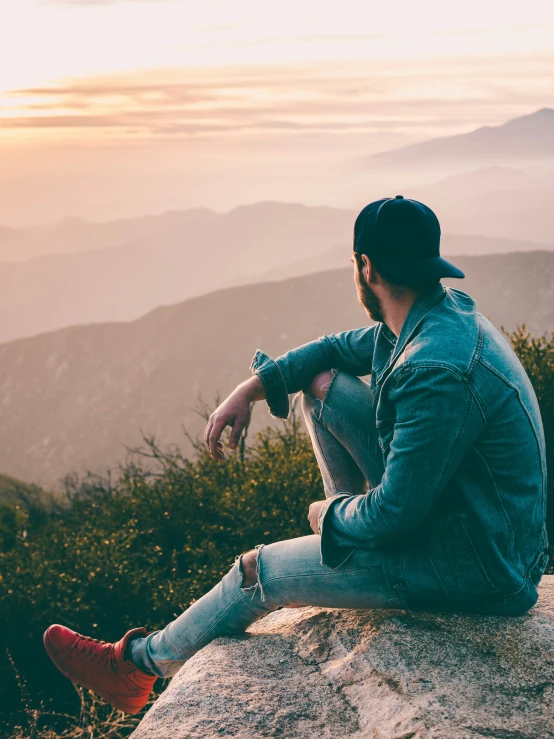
<point>233,412</point>
<point>349,351</point>
<point>253,388</point>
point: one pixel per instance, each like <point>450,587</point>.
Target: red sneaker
<point>100,666</point>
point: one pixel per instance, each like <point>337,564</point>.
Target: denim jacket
<point>460,512</point>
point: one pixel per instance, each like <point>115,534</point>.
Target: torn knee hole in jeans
<point>253,589</point>
<point>324,388</point>
<point>327,386</point>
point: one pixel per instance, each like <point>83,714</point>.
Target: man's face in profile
<point>366,296</point>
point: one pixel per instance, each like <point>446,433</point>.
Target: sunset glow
<point>266,87</point>
<point>111,69</point>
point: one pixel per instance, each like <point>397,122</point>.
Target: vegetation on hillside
<point>537,356</point>
<point>113,554</point>
<point>137,552</point>
<point>14,491</point>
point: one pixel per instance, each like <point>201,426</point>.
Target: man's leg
<point>340,414</point>
<point>341,423</point>
<point>287,572</point>
<point>339,411</point>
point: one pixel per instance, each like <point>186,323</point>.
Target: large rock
<point>329,673</point>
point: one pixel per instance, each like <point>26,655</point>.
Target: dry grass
<point>96,720</point>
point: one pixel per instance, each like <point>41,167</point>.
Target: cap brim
<point>416,270</point>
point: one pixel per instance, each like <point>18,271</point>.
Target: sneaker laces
<point>93,649</point>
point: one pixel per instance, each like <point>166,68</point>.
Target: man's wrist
<point>321,513</point>
<point>254,388</point>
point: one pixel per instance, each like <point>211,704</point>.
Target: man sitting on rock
<point>434,472</point>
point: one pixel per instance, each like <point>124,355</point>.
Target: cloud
<point>427,99</point>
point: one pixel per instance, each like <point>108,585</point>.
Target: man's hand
<point>313,514</point>
<point>234,412</point>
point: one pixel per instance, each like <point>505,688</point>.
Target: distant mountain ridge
<point>459,187</point>
<point>84,272</point>
<point>123,283</point>
<point>168,260</point>
<point>72,399</point>
<point>457,247</point>
<point>74,234</point>
<point>529,137</point>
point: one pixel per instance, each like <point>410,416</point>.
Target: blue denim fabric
<point>459,511</point>
<point>289,573</point>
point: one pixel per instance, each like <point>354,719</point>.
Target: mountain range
<point>123,283</point>
<point>183,255</point>
<point>74,234</point>
<point>177,256</point>
<point>451,246</point>
<point>523,139</point>
<point>71,399</point>
<point>260,230</point>
<point>79,272</point>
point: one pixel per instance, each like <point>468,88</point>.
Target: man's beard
<point>368,299</point>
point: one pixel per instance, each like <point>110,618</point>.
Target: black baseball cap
<point>402,239</point>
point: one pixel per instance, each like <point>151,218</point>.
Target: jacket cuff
<point>333,555</point>
<point>276,394</point>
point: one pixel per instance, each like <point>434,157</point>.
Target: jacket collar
<point>423,304</point>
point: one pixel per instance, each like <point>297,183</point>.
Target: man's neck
<point>395,311</point>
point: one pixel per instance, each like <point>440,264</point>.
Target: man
<point>434,473</point>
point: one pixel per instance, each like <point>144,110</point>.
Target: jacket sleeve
<point>437,421</point>
<point>350,351</point>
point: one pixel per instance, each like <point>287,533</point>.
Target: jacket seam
<point>460,376</point>
<point>501,502</point>
<point>478,349</point>
<point>534,559</point>
<point>529,419</point>
<point>467,411</point>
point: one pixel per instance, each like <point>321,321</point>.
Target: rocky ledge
<point>332,674</point>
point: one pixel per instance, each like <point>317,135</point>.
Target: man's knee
<point>249,568</point>
<point>320,384</point>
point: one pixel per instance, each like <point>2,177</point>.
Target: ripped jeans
<point>291,572</point>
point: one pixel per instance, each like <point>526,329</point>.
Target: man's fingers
<point>207,431</point>
<point>236,432</point>
<point>215,433</point>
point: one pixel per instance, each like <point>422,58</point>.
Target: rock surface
<point>332,674</point>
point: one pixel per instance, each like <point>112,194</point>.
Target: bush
<point>137,552</point>
<point>537,357</point>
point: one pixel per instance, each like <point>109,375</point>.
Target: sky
<point>111,108</point>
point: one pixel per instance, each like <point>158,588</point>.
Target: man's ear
<point>369,270</point>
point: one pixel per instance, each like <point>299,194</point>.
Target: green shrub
<point>537,356</point>
<point>139,551</point>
